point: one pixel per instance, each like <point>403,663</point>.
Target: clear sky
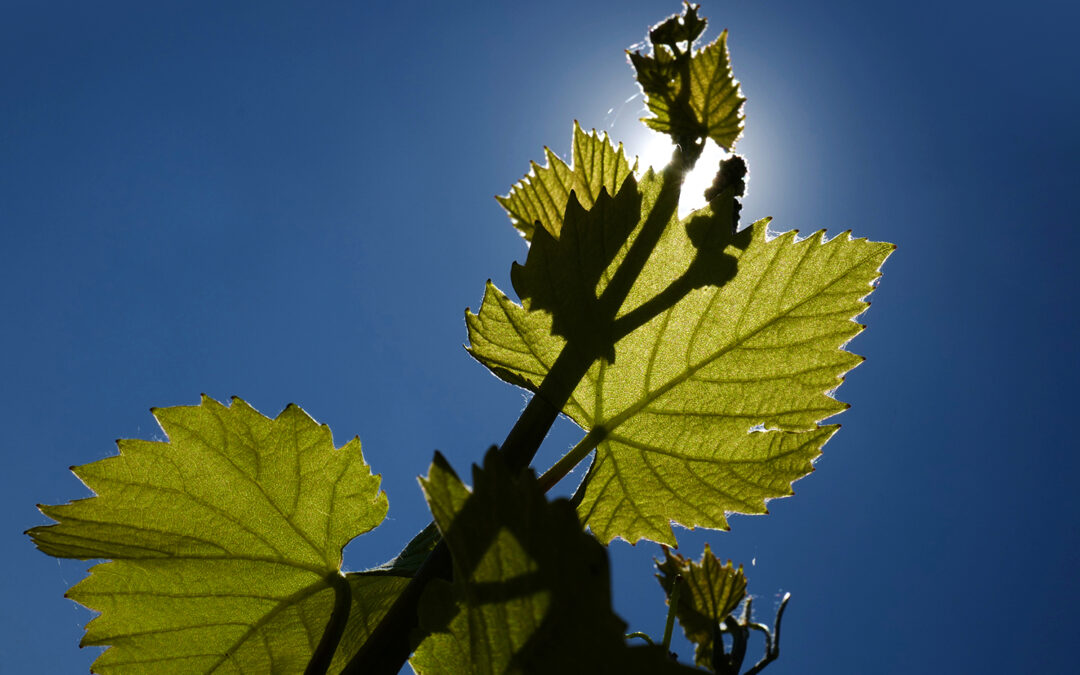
<point>293,203</point>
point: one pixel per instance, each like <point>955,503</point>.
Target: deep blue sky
<point>292,203</point>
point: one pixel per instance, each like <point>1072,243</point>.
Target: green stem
<point>640,635</point>
<point>673,603</point>
<point>564,466</point>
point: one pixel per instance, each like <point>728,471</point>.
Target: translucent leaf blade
<point>749,337</point>
<point>225,540</point>
<point>541,196</point>
<point>710,592</point>
<point>636,488</point>
<point>715,95</point>
<point>691,94</point>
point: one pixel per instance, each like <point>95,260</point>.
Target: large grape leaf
<point>692,94</point>
<point>531,590</point>
<point>710,592</point>
<point>540,197</point>
<point>225,543</point>
<point>723,353</point>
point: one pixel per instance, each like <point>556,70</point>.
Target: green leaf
<point>225,542</point>
<point>726,347</point>
<point>540,197</point>
<point>692,94</point>
<point>711,591</point>
<point>531,590</point>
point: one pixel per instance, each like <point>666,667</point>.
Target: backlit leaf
<point>540,197</point>
<point>692,94</point>
<point>712,371</point>
<point>225,542</point>
<point>710,592</point>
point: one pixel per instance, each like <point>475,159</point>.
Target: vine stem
<point>570,460</point>
<point>388,646</point>
<point>643,636</point>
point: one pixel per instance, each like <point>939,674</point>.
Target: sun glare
<point>657,153</point>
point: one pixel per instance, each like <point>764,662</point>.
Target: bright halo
<point>699,180</point>
<point>657,153</point>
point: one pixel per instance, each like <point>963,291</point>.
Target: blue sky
<point>294,204</point>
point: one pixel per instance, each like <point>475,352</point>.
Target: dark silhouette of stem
<point>388,647</point>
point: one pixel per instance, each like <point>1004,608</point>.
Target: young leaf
<point>531,591</point>
<point>721,355</point>
<point>692,94</point>
<point>711,591</point>
<point>540,197</point>
<point>225,542</point>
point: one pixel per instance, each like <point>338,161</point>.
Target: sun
<point>656,152</point>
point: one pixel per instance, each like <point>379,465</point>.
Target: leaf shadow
<point>566,571</point>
